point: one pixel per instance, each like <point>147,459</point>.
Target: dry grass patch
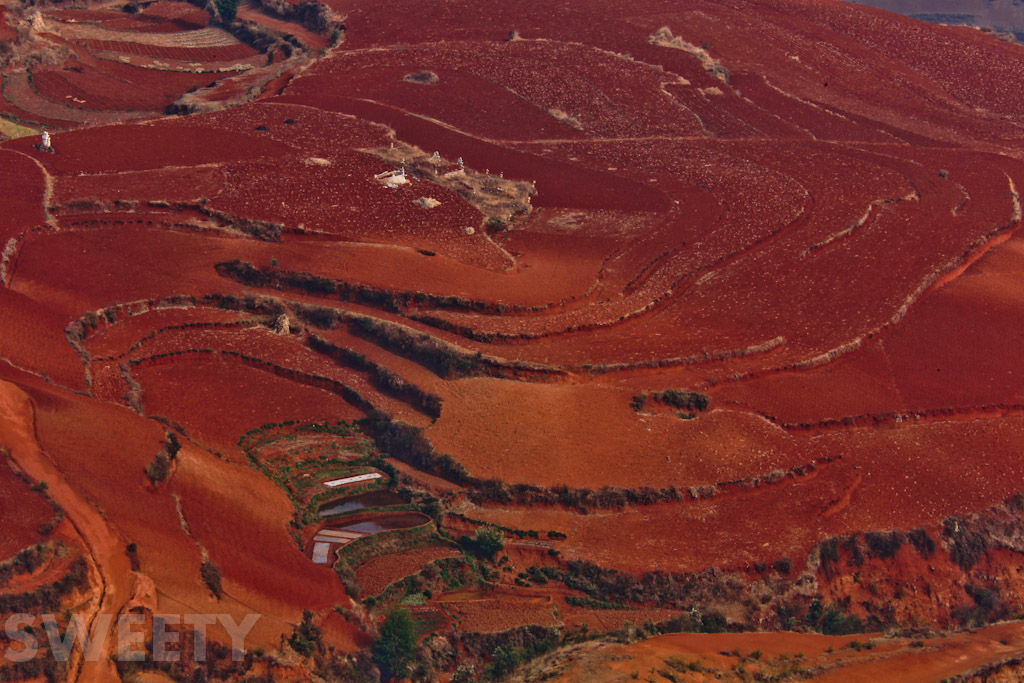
<point>663,38</point>
<point>495,196</point>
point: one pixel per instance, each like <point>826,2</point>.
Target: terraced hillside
<point>713,312</point>
<point>72,67</point>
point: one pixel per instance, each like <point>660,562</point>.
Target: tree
<point>396,645</point>
<point>504,661</point>
<point>489,541</point>
<point>227,8</point>
<point>305,640</point>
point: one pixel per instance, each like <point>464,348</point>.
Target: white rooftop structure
<point>352,480</point>
<point>320,552</point>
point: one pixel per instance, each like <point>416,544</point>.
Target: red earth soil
<point>903,659</point>
<point>825,242</point>
<point>184,54</point>
<point>234,399</point>
<point>151,90</point>
<point>589,189</point>
<point>25,180</point>
<point>7,32</point>
<point>22,510</point>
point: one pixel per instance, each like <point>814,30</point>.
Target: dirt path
<point>47,187</point>
<point>17,433</point>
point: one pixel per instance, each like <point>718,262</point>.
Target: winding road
<point>104,544</point>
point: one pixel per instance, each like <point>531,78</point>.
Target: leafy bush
<point>851,546</point>
<point>159,469</point>
<point>173,445</point>
<point>590,603</point>
<point>884,544</point>
<point>503,662</point>
<point>684,400</point>
<point>922,542</point>
<point>834,622</point>
<point>967,545</point>
<point>508,649</point>
<point>348,578</point>
<point>828,551</point>
<point>487,542</point>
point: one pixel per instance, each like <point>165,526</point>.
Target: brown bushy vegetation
<point>688,401</point>
<point>387,299</point>
<point>387,380</point>
<point>409,444</point>
<point>47,598</point>
<point>310,14</point>
<point>212,577</point>
<point>424,77</point>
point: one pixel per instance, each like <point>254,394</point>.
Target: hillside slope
<point>714,310</point>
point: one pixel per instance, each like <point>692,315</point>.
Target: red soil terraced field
<point>380,572</point>
<point>92,66</point>
<point>181,54</point>
<point>257,397</point>
<point>27,183</point>
<point>492,612</point>
<point>151,91</point>
<point>700,319</point>
<point>24,512</point>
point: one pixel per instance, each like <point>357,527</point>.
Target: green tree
<point>504,661</point>
<point>227,8</point>
<point>489,541</point>
<point>305,640</point>
<point>396,645</point>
